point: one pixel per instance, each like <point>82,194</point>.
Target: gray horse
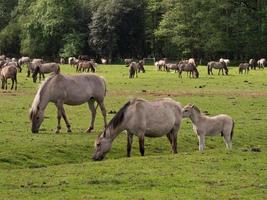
<point>217,65</point>
<point>187,67</point>
<point>71,90</point>
<point>143,119</point>
<point>243,67</point>
<point>42,69</point>
<point>133,69</point>
<point>8,72</point>
<point>253,63</point>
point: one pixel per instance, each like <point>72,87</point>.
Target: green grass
<point>59,166</point>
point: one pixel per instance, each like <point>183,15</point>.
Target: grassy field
<point>59,166</point>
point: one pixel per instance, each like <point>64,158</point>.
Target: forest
<point>115,29</point>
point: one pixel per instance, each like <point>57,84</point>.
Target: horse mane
<point>117,119</point>
<point>37,98</point>
<point>196,109</point>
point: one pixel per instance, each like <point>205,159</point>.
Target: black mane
<point>117,119</point>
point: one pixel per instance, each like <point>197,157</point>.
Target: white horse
<point>71,90</point>
<point>226,61</point>
<point>143,119</point>
<point>262,63</point>
<point>204,125</point>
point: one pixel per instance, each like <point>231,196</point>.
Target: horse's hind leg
<point>12,83</point>
<point>201,139</point>
<point>142,145</point>
<point>129,143</point>
<point>59,114</point>
<point>16,82</point>
<point>227,139</point>
<point>65,119</point>
<point>93,114</point>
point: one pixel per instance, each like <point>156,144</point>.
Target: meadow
<point>59,166</point>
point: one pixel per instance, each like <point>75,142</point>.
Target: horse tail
<point>232,131</point>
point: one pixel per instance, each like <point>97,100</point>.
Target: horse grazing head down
<point>103,145</point>
<point>36,117</point>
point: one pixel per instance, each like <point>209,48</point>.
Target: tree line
<point>203,29</point>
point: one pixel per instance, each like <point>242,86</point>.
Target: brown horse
<point>187,67</point>
<point>8,72</point>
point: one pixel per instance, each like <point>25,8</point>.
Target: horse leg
<point>6,83</point>
<point>40,76</point>
<point>129,143</point>
<point>227,138</point>
<point>59,114</point>
<point>104,112</point>
<point>173,135</point>
<point>201,139</point>
<point>65,119</point>
<point>93,114</point>
<point>12,79</point>
<point>142,145</point>
<point>16,82</point>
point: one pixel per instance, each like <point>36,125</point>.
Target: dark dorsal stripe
<point>117,119</point>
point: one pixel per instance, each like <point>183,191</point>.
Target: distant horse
<point>24,60</point>
<point>8,72</point>
<point>262,63</point>
<point>73,61</point>
<point>192,61</point>
<point>15,64</point>
<point>83,58</point>
<point>2,57</point>
<point>217,65</point>
<point>71,90</point>
<point>44,69</point>
<point>85,65</point>
<point>172,66</point>
<point>226,61</point>
<point>127,61</point>
<point>161,64</point>
<point>104,61</point>
<point>140,66</point>
<point>204,125</point>
<point>62,61</point>
<point>187,67</point>
<point>243,67</point>
<point>143,119</point>
<point>253,63</point>
<point>133,68</point>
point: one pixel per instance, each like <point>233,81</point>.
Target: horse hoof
<point>57,131</point>
<point>69,131</point>
<point>89,130</point>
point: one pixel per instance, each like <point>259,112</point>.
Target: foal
<point>204,125</point>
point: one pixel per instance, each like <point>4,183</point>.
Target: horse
<point>161,64</point>
<point>73,61</point>
<point>15,64</point>
<point>104,61</point>
<point>204,125</point>
<point>85,65</point>
<point>185,66</point>
<point>62,61</point>
<point>253,63</point>
<point>140,66</point>
<point>192,61</point>
<point>8,72</point>
<point>243,66</point>
<point>171,66</point>
<point>24,60</point>
<point>217,65</point>
<point>143,119</point>
<point>262,63</point>
<point>83,58</point>
<point>2,57</point>
<point>71,90</point>
<point>226,61</point>
<point>44,69</point>
<point>133,68</point>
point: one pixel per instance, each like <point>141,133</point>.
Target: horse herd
<point>138,116</point>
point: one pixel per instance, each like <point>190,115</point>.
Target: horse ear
<point>193,105</point>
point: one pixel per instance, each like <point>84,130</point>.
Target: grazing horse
<point>143,119</point>
<point>71,90</point>
<point>262,63</point>
<point>24,60</point>
<point>83,58</point>
<point>204,125</point>
<point>253,63</point>
<point>8,72</point>
<point>73,61</point>
<point>242,67</point>
<point>192,61</point>
<point>85,65</point>
<point>185,66</point>
<point>172,66</point>
<point>133,68</point>
<point>217,65</point>
<point>44,69</point>
<point>140,66</point>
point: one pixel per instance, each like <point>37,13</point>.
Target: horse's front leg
<point>104,112</point>
<point>201,139</point>
<point>12,83</point>
<point>66,119</point>
<point>93,114</point>
<point>40,76</point>
<point>129,143</point>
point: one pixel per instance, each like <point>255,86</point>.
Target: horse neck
<point>195,117</point>
<point>114,132</point>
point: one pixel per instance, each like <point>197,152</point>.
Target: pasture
<point>59,166</point>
